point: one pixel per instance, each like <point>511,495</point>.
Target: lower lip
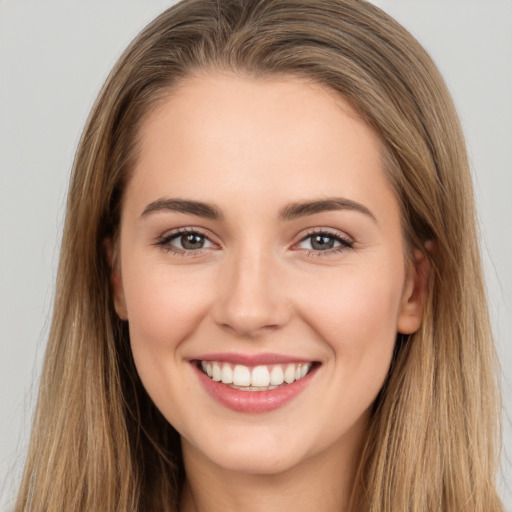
<point>253,401</point>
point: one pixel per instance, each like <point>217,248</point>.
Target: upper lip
<point>252,359</point>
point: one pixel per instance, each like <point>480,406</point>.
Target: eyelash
<point>165,242</point>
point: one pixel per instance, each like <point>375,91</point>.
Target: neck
<point>324,482</point>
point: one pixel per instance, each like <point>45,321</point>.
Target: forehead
<point>223,134</point>
<point>272,110</point>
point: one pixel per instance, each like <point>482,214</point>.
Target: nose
<point>252,299</point>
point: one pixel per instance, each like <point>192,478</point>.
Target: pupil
<point>192,241</point>
<point>322,242</point>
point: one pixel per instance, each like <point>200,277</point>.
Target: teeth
<point>289,374</point>
<point>260,377</point>
<point>216,372</point>
<point>243,377</point>
<point>276,376</point>
<point>227,374</point>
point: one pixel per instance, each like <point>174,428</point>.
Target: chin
<point>252,453</point>
<point>258,463</point>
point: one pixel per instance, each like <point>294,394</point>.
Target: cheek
<point>164,305</point>
<point>164,308</point>
<point>355,313</point>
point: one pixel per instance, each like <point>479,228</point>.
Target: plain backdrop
<point>54,56</point>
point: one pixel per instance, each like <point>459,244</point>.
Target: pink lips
<point>252,401</point>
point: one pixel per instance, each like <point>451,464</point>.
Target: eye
<point>322,241</point>
<point>185,240</point>
<point>190,241</point>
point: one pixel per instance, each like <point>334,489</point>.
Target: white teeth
<point>276,376</point>
<point>227,374</point>
<point>289,374</point>
<point>241,375</point>
<point>263,376</point>
<point>260,377</point>
<point>216,372</point>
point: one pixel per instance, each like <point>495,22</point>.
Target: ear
<point>116,281</point>
<point>415,292</point>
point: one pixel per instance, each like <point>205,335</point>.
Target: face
<point>262,270</point>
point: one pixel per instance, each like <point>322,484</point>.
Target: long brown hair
<point>99,443</point>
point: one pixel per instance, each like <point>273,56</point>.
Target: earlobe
<point>415,294</point>
<point>116,281</point>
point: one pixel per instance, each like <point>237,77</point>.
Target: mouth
<point>255,378</point>
<point>256,383</point>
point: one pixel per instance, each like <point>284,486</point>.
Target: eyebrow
<point>290,211</point>
<point>198,208</point>
<point>303,208</point>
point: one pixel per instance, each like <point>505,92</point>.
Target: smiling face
<point>261,245</point>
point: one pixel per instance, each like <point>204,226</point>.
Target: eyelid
<point>335,233</point>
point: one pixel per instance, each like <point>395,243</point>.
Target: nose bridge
<point>251,298</point>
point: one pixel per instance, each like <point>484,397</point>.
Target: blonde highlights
<point>98,441</point>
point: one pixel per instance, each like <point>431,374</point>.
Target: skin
<point>250,147</point>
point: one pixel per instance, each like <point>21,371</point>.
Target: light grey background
<point>54,56</point>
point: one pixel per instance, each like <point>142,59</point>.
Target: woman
<point>269,292</point>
